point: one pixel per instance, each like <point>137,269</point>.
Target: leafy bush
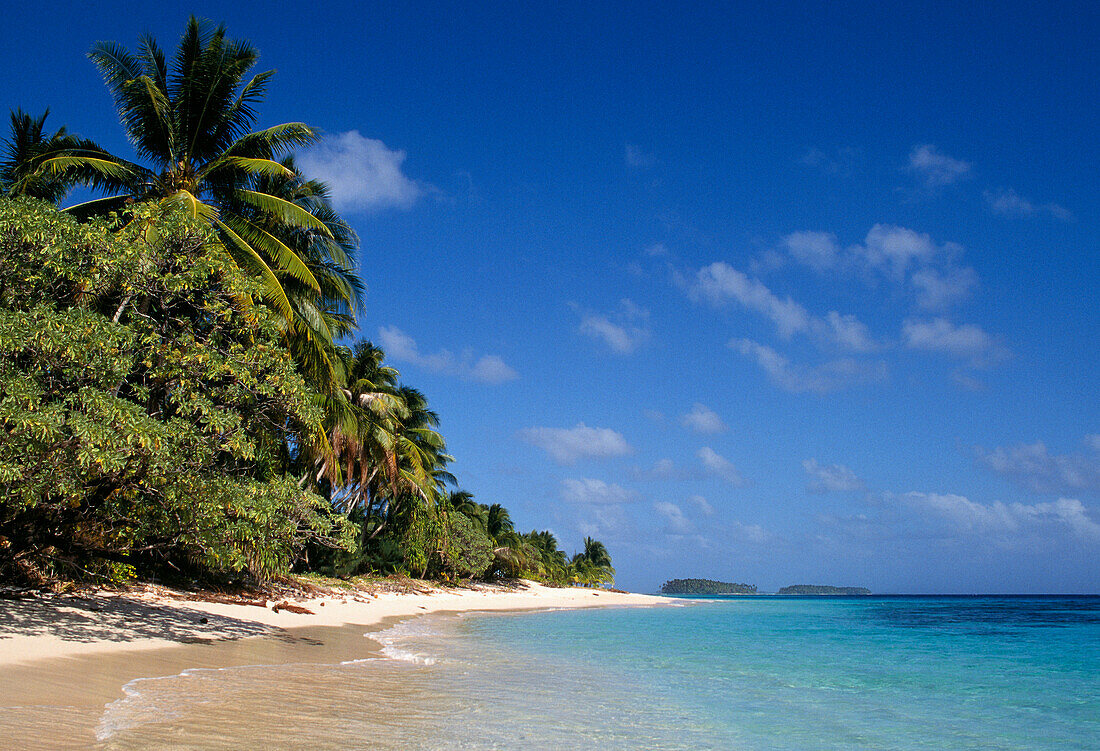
<point>468,551</point>
<point>145,404</point>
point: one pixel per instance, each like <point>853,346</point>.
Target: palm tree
<point>325,318</point>
<point>596,553</point>
<point>593,565</point>
<point>191,121</point>
<point>384,454</point>
<point>498,523</point>
<point>29,147</point>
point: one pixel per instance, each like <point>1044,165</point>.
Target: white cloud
<point>702,419</point>
<point>657,250</point>
<point>1032,466</point>
<point>829,376</point>
<point>361,173</point>
<point>623,331</point>
<point>939,289</point>
<point>1068,511</point>
<point>818,250</point>
<point>665,470</point>
<point>1008,202</point>
<point>898,253</point>
<point>720,283</point>
<point>590,491</point>
<point>401,347</point>
<point>935,168</point>
<point>637,158</point>
<point>701,505</point>
<point>567,445</point>
<point>1000,519</point>
<point>720,466</point>
<point>676,522</point>
<point>965,515</point>
<point>753,533</point>
<point>606,522</point>
<point>966,341</point>
<point>825,478</point>
<point>894,249</point>
<point>846,331</point>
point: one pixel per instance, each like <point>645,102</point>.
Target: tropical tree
<point>190,122</point>
<point>592,566</point>
<point>27,149</point>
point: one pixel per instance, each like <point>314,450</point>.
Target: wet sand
<point>63,659</point>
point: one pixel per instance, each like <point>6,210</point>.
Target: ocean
<point>754,672</point>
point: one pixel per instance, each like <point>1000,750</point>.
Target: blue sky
<point>775,293</point>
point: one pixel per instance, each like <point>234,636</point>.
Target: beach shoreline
<point>78,652</point>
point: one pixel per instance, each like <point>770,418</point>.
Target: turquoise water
<point>741,673</point>
<point>812,673</point>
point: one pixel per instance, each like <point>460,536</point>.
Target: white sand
<point>40,629</point>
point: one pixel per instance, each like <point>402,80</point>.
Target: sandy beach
<point>76,652</point>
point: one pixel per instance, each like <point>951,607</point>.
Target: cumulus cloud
<point>401,347</point>
<point>898,254</point>
<point>963,515</point>
<point>820,379</point>
<point>895,249</point>
<point>665,470</point>
<point>675,521</point>
<point>567,445</point>
<point>701,505</point>
<point>967,341</point>
<point>753,533</point>
<point>936,169</point>
<point>361,173</point>
<point>818,250</point>
<point>719,283</point>
<point>1008,202</point>
<point>623,331</point>
<point>702,419</point>
<point>590,491</point>
<point>938,289</point>
<point>720,466</point>
<point>1033,466</point>
<point>826,478</point>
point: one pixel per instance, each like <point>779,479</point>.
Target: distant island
<point>705,587</point>
<point>819,589</point>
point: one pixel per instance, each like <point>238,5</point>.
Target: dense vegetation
<point>705,587</point>
<point>820,589</point>
<point>181,392</point>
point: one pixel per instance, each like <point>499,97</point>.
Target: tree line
<point>182,392</point>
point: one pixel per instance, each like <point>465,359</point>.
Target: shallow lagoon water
<point>730,673</point>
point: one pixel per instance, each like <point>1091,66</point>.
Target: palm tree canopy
<point>190,120</point>
<point>29,147</point>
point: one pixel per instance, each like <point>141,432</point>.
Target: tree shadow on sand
<point>118,619</point>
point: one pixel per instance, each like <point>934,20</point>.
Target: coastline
<point>78,652</point>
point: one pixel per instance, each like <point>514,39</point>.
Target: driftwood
<point>288,607</point>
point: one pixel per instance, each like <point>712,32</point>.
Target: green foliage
<point>706,587</point>
<point>144,403</point>
<point>155,418</point>
<point>468,551</point>
<point>823,589</point>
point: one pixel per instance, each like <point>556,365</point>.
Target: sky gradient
<point>773,293</point>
